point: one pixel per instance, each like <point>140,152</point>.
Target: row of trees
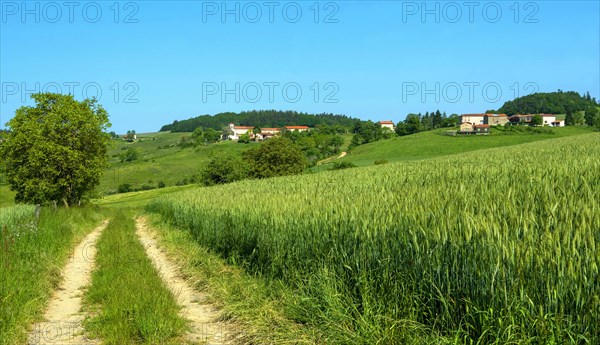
<point>368,132</point>
<point>558,102</point>
<point>259,118</point>
<point>415,123</point>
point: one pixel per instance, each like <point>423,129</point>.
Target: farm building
<point>547,119</point>
<point>495,119</point>
<point>388,124</point>
<point>467,128</point>
<point>236,131</point>
<point>476,119</point>
<point>297,128</point>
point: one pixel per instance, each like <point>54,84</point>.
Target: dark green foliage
<point>161,184</point>
<point>244,139</point>
<point>548,103</point>
<point>275,157</point>
<point>56,150</point>
<point>381,161</point>
<point>368,132</point>
<point>592,116</point>
<point>224,168</point>
<point>131,154</point>
<point>260,118</point>
<point>124,188</point>
<point>537,120</point>
<point>202,136</point>
<point>316,144</point>
<point>342,165</point>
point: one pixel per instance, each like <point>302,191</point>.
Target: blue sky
<point>151,62</point>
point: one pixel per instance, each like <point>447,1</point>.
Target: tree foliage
<point>275,157</point>
<point>224,168</point>
<point>56,150</point>
<point>259,118</point>
<point>368,132</point>
<point>130,155</point>
<point>537,120</point>
<point>549,103</point>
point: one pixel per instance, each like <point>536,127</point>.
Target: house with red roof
<point>387,124</point>
<point>236,131</point>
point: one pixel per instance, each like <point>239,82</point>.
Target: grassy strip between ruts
<point>129,301</point>
<point>31,258</point>
<point>255,306</point>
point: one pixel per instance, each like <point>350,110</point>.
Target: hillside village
<point>478,124</point>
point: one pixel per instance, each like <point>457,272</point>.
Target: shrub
<point>342,165</point>
<point>124,188</point>
<point>381,161</point>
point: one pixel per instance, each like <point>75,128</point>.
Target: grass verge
<point>129,301</point>
<point>32,255</point>
<point>256,306</point>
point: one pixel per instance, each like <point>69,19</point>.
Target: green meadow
<point>458,240</point>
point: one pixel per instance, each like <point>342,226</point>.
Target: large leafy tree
<point>56,150</point>
<point>275,157</point>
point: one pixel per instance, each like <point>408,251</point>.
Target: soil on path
<point>204,318</point>
<point>62,319</point>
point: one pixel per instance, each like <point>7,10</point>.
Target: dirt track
<point>63,317</point>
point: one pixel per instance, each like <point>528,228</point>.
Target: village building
<point>476,119</point>
<point>388,124</point>
<point>495,119</point>
<point>467,128</point>
<point>236,131</point>
<point>297,128</point>
<point>547,119</point>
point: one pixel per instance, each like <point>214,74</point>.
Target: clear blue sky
<point>163,61</point>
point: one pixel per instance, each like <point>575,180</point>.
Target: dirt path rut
<point>204,318</point>
<point>63,315</point>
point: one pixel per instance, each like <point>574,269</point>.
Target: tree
<point>130,155</point>
<point>578,118</point>
<point>537,120</point>
<point>275,157</point>
<point>57,149</point>
<point>244,138</point>
<point>591,115</point>
<point>224,168</point>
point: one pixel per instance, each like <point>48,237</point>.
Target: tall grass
<point>32,254</point>
<point>496,246</point>
<point>129,301</point>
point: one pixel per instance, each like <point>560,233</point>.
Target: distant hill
<point>261,118</point>
<point>548,103</point>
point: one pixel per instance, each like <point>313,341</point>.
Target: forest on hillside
<point>559,102</point>
<point>260,118</point>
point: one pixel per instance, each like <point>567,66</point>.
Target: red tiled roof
<point>243,127</point>
<point>386,122</point>
<point>473,115</point>
<point>482,126</point>
<point>297,127</point>
<point>271,129</point>
<point>498,115</point>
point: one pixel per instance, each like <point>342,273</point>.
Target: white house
<point>547,119</point>
<point>236,131</point>
<point>558,123</point>
<point>387,124</point>
<point>476,119</point>
<point>297,128</point>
